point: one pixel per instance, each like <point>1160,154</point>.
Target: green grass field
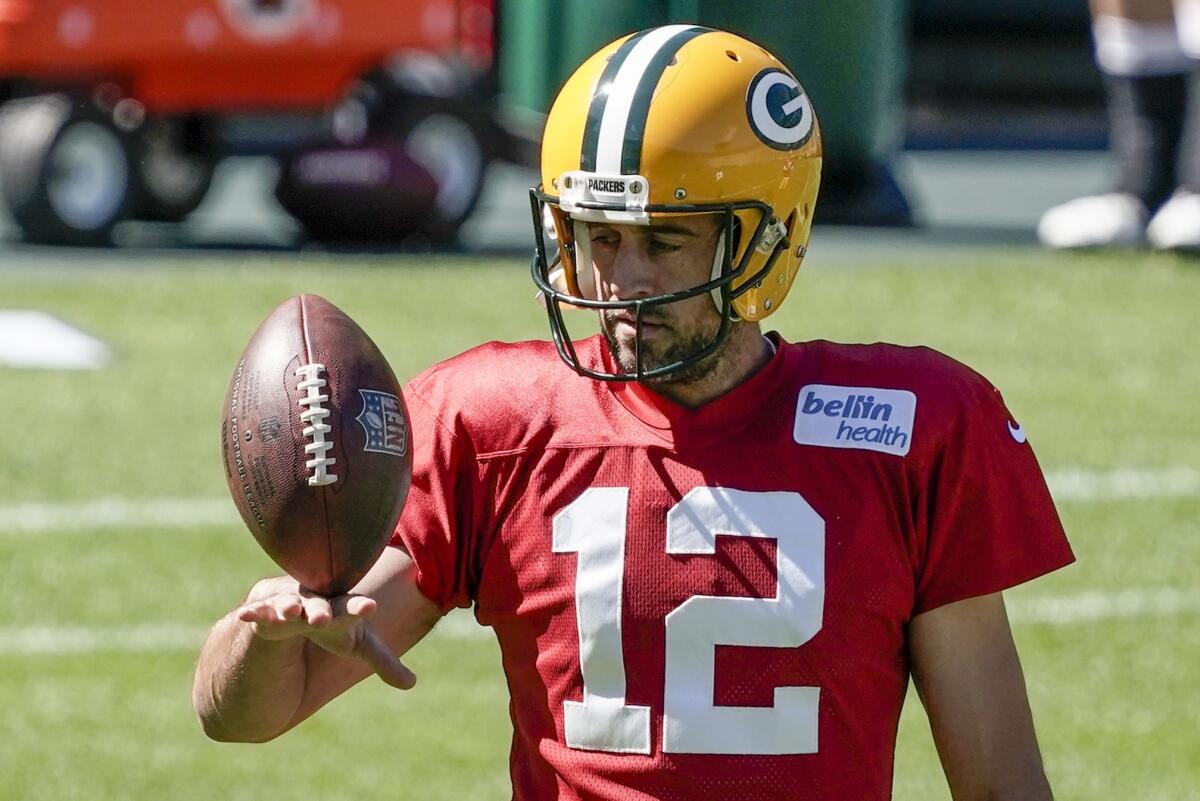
<point>1095,354</point>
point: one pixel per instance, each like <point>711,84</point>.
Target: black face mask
<point>720,286</point>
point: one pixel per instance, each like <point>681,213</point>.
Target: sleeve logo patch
<point>865,418</point>
<point>382,419</point>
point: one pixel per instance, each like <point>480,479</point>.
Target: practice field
<point>118,544</point>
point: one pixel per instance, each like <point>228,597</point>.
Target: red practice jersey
<point>711,603</point>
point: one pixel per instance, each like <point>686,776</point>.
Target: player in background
<point>1149,53</point>
<point>712,558</point>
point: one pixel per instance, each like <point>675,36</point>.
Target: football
<point>316,444</point>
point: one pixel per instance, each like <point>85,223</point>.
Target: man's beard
<point>660,354</point>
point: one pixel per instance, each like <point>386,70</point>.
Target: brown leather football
<point>316,444</point>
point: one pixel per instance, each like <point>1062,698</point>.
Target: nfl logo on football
<point>382,419</point>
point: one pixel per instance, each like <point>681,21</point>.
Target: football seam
<point>321,490</point>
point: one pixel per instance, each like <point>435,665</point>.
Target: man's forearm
<point>247,689</point>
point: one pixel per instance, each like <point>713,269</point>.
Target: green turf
<point>1094,354</point>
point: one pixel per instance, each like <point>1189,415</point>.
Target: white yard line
<point>66,640</point>
<point>1066,610</point>
<point>1123,484</point>
<point>1058,610</point>
<point>1072,485</point>
<point>118,513</point>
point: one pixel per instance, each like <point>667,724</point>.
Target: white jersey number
<point>593,526</point>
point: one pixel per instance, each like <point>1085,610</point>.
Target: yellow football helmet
<point>679,119</point>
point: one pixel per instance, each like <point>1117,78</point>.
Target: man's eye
<point>659,246</point>
<point>604,240</point>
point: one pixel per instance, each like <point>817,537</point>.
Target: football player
<point>712,558</point>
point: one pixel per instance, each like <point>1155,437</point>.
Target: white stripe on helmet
<point>621,93</point>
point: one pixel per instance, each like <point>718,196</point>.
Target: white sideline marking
<point>1060,610</point>
<point>1066,610</point>
<point>33,338</point>
<point>34,518</point>
<point>64,640</point>
<point>1123,484</point>
<point>1084,486</point>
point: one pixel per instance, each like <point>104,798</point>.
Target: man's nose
<point>633,274</point>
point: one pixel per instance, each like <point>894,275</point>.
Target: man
<point>1149,53</point>
<point>710,557</point>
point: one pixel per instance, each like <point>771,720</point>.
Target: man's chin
<point>663,346</point>
<point>624,355</point>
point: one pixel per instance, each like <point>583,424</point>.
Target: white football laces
<point>315,426</point>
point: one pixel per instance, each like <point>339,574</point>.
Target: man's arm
<point>285,652</point>
<point>967,672</point>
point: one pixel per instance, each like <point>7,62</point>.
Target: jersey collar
<point>719,417</point>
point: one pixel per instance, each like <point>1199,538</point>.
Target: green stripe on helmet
<point>639,110</point>
<point>591,129</point>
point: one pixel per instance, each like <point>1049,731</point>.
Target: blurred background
<point>171,171</point>
<point>292,122</point>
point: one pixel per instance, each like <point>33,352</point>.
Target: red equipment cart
<point>381,112</point>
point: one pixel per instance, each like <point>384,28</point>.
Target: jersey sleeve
<point>437,525</point>
<point>990,521</point>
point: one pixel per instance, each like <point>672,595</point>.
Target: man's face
<point>640,261</point>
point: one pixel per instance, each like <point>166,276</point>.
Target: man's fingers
<point>357,606</point>
<point>360,606</point>
<point>271,611</point>
<point>375,652</point>
<point>251,613</point>
<point>304,613</point>
<point>317,609</point>
<point>287,607</point>
<point>260,612</point>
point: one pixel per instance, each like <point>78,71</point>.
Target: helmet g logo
<point>779,111</point>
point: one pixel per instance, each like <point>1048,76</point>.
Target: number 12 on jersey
<point>593,526</point>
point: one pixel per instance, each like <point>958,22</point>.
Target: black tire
<point>175,168</point>
<point>68,176</point>
<point>432,186</point>
<point>445,137</point>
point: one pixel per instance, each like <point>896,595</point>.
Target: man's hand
<point>286,652</point>
<point>279,609</point>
